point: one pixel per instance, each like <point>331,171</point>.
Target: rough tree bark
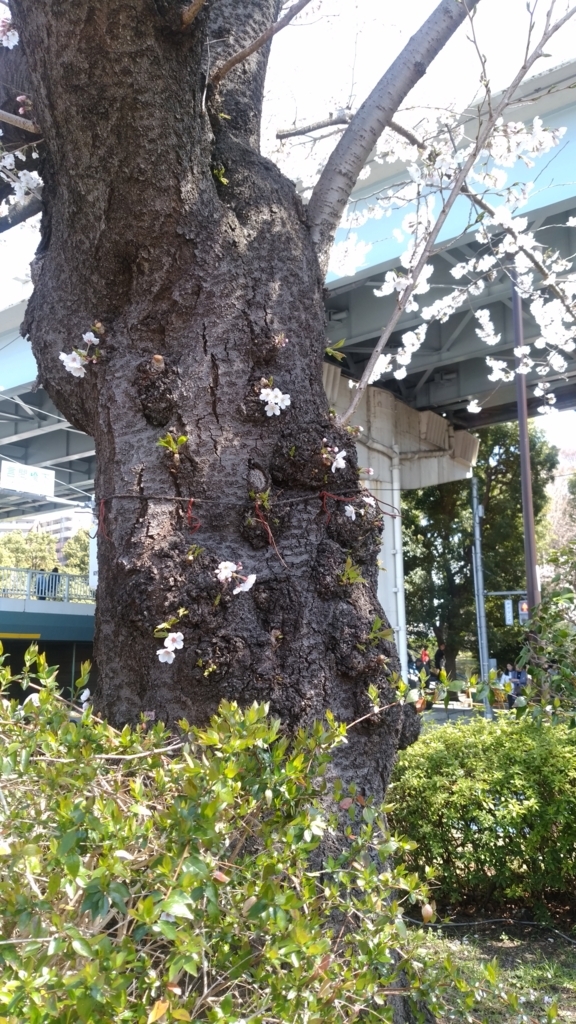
<point>163,221</point>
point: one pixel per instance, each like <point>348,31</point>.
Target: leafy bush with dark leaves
<point>492,807</point>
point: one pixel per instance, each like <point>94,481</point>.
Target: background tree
<point>28,550</point>
<point>438,538</point>
<point>76,553</point>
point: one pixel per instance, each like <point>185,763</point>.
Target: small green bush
<point>492,807</point>
<point>146,877</point>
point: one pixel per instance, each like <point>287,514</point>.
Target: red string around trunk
<point>193,521</point>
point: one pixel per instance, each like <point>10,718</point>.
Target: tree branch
<point>190,13</point>
<point>258,43</point>
<point>289,133</point>
<point>509,230</point>
<point>409,136</point>
<point>20,122</point>
<point>20,212</point>
<point>340,175</point>
<point>460,181</point>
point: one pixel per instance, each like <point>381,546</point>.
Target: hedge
<point>492,808</point>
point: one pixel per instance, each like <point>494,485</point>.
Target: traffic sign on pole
<point>509,612</point>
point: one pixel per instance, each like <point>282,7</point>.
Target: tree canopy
<point>438,537</point>
<point>76,553</point>
<point>28,550</point>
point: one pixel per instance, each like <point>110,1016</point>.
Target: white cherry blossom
<point>486,330</point>
<point>275,401</point>
<point>174,641</point>
<point>74,363</point>
<point>350,512</point>
<point>226,570</point>
<point>165,655</point>
<point>246,585</point>
<point>90,338</point>
<point>473,406</point>
<point>339,461</point>
<point>369,500</point>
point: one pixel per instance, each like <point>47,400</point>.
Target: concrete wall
<point>407,450</point>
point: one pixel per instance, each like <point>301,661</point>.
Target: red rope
<point>262,519</point>
<point>101,519</point>
<point>193,521</point>
<point>324,495</point>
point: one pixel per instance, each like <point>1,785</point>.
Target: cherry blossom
<point>339,461</point>
<point>90,338</point>
<point>74,363</point>
<point>248,583</point>
<point>226,570</point>
<point>174,641</point>
<point>8,35</point>
<point>350,511</point>
<point>164,655</point>
<point>473,406</point>
<point>275,401</point>
<point>369,500</point>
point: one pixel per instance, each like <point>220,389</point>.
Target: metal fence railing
<point>37,585</point>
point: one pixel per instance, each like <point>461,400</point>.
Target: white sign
<point>509,611</point>
<point>27,479</point>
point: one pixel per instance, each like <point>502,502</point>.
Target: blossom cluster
<point>77,360</point>
<point>230,570</point>
<point>275,401</point>
<point>336,458</point>
<point>173,642</point>
<point>8,35</point>
<point>351,511</point>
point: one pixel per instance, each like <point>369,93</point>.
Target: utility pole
<point>532,585</point>
<point>478,569</point>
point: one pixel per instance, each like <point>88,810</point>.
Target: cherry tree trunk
<point>164,223</point>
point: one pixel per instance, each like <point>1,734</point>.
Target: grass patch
<point>539,969</point>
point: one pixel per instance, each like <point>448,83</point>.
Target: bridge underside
<point>450,368</point>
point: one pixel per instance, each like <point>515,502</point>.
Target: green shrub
<point>492,807</point>
<point>149,877</point>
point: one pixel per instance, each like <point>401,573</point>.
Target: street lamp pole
<point>532,584</point>
<point>478,569</point>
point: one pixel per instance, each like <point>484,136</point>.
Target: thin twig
<point>372,714</point>
<point>289,133</point>
<point>509,230</point>
<point>258,43</point>
<point>20,122</point>
<point>192,12</point>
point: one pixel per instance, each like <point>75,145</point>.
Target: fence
<point>37,585</point>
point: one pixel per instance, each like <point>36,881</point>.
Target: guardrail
<point>37,585</point>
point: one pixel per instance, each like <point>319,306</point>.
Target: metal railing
<point>38,585</point>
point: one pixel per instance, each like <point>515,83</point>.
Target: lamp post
<point>532,584</point>
<point>478,570</point>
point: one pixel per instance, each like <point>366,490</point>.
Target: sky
<point>331,57</point>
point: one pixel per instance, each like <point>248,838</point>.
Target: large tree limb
<point>19,122</point>
<point>340,175</point>
<point>190,13</point>
<point>258,43</point>
<point>19,212</point>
